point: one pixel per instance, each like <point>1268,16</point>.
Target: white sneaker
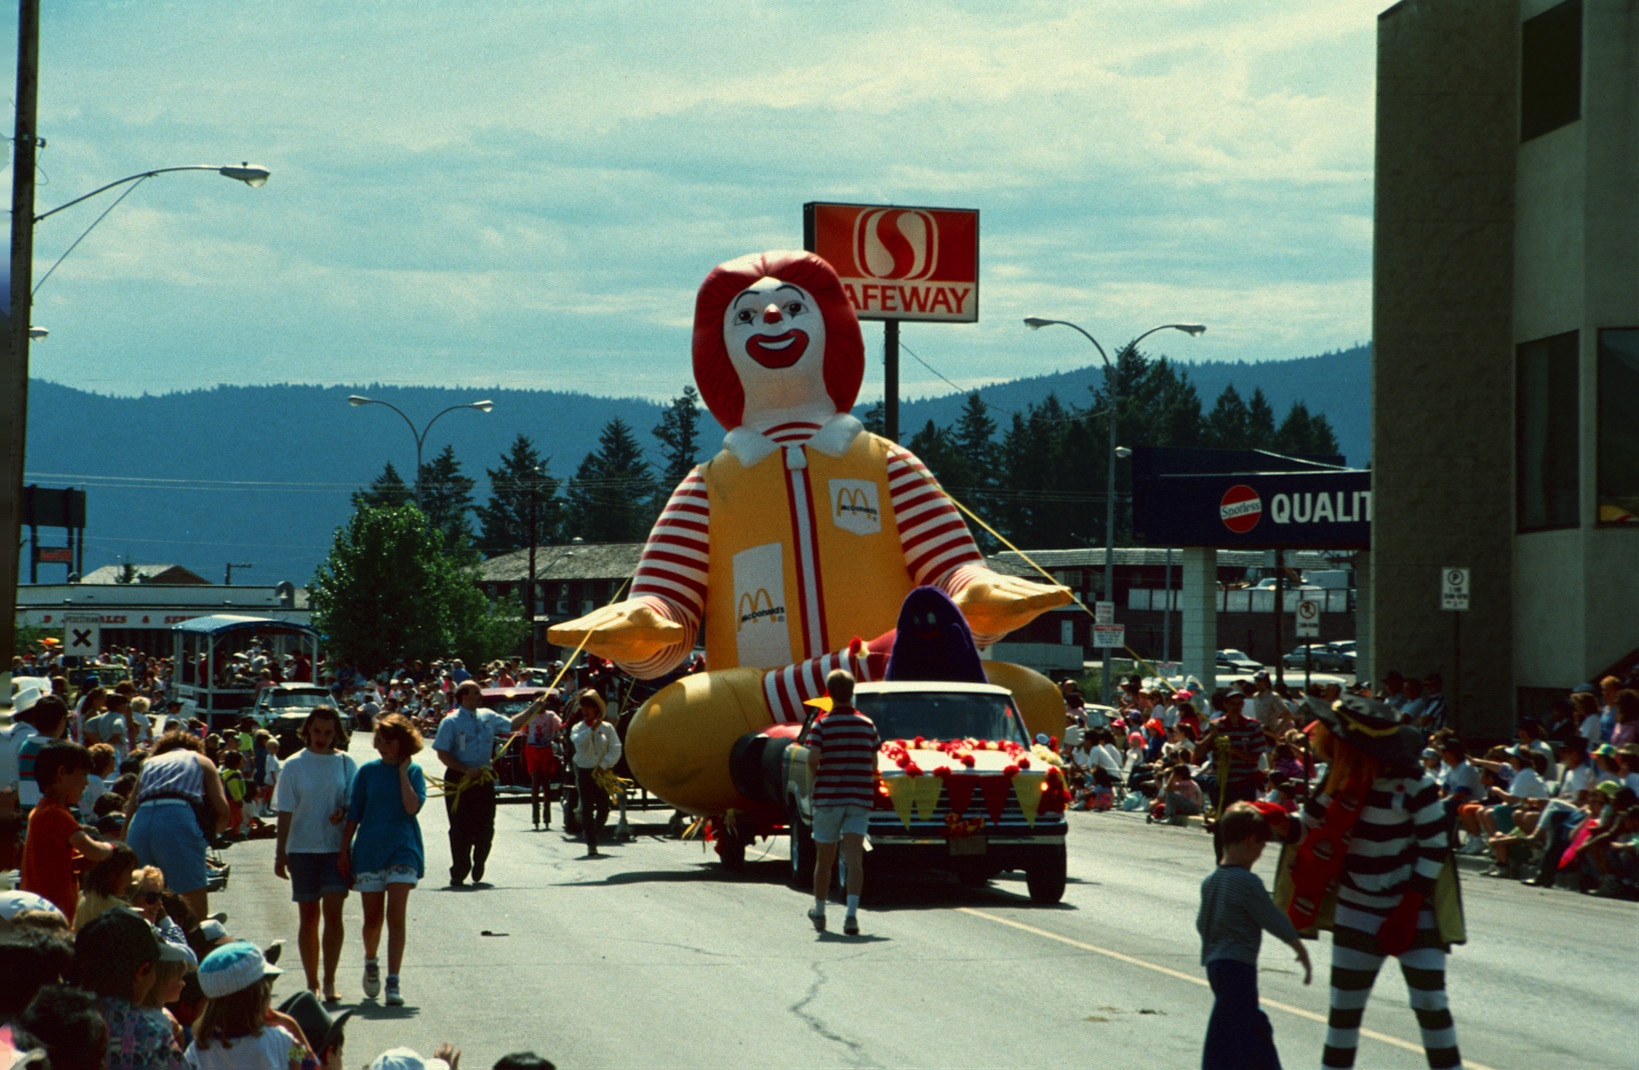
<point>372,979</point>
<point>394,999</point>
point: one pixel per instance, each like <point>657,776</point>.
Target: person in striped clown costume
<point>796,544</point>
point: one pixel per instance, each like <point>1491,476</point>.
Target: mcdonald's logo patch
<point>855,506</point>
<point>757,606</point>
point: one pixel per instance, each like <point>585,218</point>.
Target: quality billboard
<point>900,263</point>
<point>1318,510</point>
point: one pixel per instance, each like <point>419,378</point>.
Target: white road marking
<point>1370,1034</point>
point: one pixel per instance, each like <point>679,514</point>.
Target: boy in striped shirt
<point>842,746</point>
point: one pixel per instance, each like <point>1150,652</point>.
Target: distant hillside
<point>262,474</point>
<point>1337,384</point>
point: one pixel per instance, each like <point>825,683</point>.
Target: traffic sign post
<point>1454,588</point>
<point>1308,619</point>
<point>82,635</point>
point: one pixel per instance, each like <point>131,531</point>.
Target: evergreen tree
<point>388,490</point>
<point>679,435</point>
<point>610,498</point>
<point>1260,421</point>
<point>1229,425</point>
<point>1302,433</point>
<point>504,519</point>
<point>875,419</point>
<point>446,499</point>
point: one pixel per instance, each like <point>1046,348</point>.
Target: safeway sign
<point>899,263</point>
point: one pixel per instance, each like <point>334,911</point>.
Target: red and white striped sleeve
<point>671,575</point>
<point>939,549</point>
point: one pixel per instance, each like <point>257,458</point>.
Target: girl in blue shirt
<point>386,860</point>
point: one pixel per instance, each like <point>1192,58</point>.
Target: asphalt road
<point>653,956</point>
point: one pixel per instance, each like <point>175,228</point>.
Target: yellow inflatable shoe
<point>1040,702</point>
<point>678,745</point>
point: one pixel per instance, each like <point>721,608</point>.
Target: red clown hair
<point>714,374</point>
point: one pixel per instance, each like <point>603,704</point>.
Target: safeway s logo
<point>855,506</point>
<point>758,606</point>
<point>896,243</point>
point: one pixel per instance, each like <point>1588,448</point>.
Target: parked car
<point>1320,656</point>
<point>281,709</point>
<point>509,702</point>
<point>1239,661</point>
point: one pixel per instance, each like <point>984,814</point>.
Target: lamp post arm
<point>422,437</point>
<point>123,181</point>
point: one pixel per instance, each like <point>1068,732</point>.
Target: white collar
<point>832,439</point>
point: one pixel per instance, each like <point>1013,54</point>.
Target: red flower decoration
<point>1010,771</point>
<point>912,769</point>
<point>967,760</point>
<point>1024,763</point>
<point>942,771</point>
<point>919,740</point>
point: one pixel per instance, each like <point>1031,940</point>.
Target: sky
<point>527,195</point>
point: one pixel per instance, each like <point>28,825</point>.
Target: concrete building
<point>1506,346</point>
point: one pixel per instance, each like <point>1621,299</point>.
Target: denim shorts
<point>314,876</point>
<point>165,833</point>
<point>381,878</point>
<point>830,822</point>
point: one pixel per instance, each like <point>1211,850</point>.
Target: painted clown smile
<point>779,351</point>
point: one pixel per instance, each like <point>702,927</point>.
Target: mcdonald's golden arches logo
<point>855,506</point>
<point>756,606</point>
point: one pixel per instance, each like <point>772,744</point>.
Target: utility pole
<point>227,578</point>
<point>534,532</point>
<point>14,346</point>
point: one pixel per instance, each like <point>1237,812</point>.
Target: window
<point>1550,83</point>
<point>1618,457</point>
<point>1546,433</point>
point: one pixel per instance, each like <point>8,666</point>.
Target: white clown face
<point>775,337</point>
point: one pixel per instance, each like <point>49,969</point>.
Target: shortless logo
<point>855,506</point>
<point>758,606</point>
<point>1240,509</point>
<point>761,637</point>
<point>896,243</point>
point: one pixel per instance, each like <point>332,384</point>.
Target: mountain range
<point>262,475</point>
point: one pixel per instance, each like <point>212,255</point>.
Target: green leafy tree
<point>388,591</point>
<point>387,489</point>
<point>446,499</point>
<point>504,521</point>
<point>611,495</point>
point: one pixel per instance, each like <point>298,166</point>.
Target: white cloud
<point>462,183</point>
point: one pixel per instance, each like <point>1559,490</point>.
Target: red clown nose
<point>771,314</point>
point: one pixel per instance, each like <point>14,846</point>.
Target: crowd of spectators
<point>1554,806</point>
<point>115,815</point>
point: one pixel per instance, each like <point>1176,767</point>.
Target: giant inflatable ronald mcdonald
<point>796,544</point>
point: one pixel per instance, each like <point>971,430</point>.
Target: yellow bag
<point>1448,899</point>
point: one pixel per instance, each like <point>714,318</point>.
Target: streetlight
<point>248,173</point>
<point>14,349</point>
<point>1035,323</point>
<point>421,435</point>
